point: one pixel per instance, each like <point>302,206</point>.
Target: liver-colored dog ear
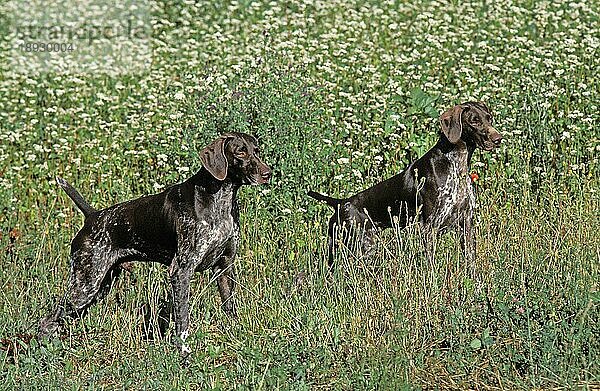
<point>214,159</point>
<point>451,122</point>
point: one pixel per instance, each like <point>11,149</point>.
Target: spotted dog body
<point>436,189</point>
<point>191,226</point>
<point>455,195</point>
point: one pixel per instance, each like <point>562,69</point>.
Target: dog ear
<point>451,122</point>
<point>214,159</point>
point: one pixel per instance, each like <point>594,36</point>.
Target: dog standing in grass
<point>436,188</point>
<point>191,226</point>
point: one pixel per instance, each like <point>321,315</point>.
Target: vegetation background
<point>342,94</point>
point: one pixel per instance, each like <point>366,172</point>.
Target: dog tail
<point>77,198</point>
<point>329,200</point>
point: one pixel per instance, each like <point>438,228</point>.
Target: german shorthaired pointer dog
<point>191,226</point>
<point>436,187</point>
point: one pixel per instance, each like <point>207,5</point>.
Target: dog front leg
<point>180,284</point>
<point>428,236</point>
<point>225,275</point>
<point>468,244</point>
<point>226,283</point>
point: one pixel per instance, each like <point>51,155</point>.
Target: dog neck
<point>212,185</point>
<point>460,152</point>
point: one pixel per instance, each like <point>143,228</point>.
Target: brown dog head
<point>235,155</point>
<point>472,123</point>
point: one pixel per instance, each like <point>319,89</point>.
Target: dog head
<point>235,155</point>
<point>471,122</point>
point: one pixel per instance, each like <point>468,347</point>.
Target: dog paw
<point>185,351</point>
<point>48,328</point>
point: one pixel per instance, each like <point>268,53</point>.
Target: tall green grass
<point>337,107</point>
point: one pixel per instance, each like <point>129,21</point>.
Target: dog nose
<point>496,137</point>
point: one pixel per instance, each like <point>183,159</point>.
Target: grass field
<point>341,95</point>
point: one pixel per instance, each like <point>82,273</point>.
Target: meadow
<point>341,95</point>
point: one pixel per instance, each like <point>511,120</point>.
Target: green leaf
<point>476,343</point>
<point>486,339</point>
<point>423,103</point>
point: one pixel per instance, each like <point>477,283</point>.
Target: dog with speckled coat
<point>436,189</point>
<point>191,226</point>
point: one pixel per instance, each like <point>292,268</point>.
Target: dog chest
<point>455,199</point>
<point>205,232</point>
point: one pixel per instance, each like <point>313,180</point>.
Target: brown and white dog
<point>436,188</point>
<point>191,226</point>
